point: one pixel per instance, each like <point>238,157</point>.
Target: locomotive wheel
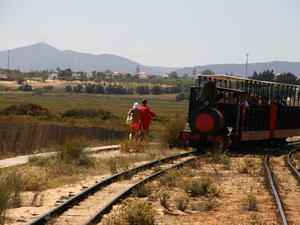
<point>206,121</point>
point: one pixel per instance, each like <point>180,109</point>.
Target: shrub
<point>48,88</point>
<point>202,186</point>
<point>144,190</point>
<point>26,109</point>
<point>38,91</point>
<point>99,89</point>
<point>68,88</point>
<point>78,88</point>
<point>132,211</point>
<point>250,203</point>
<point>180,97</point>
<point>90,88</point>
<point>247,165</point>
<point>164,199</point>
<point>88,113</point>
<point>25,88</point>
<point>171,132</point>
<point>181,203</point>
<point>73,152</point>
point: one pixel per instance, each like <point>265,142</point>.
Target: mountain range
<point>42,56</point>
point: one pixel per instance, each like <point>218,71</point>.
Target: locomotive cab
<point>211,120</point>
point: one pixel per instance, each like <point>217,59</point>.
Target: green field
<point>164,105</point>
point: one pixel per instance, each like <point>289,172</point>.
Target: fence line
<point>16,138</point>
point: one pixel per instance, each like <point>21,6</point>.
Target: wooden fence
<point>19,139</point>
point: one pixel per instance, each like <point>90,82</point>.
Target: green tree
<point>287,78</point>
<point>142,90</point>
<point>156,90</point>
<point>68,88</point>
<point>173,75</point>
<point>78,88</point>
<point>99,89</point>
<point>90,88</point>
<point>267,75</point>
<point>207,72</point>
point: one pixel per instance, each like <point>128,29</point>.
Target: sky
<point>173,33</point>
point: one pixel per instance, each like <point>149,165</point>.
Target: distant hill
<point>240,69</point>
<point>43,56</point>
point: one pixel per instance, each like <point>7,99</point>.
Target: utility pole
<point>8,61</point>
<point>247,55</point>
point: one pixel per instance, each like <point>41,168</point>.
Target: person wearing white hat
<point>134,117</point>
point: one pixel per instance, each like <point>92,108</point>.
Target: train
<point>231,111</point>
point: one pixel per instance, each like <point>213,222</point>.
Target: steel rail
<point>290,162</point>
<point>274,190</point>
<point>44,218</point>
<point>96,218</point>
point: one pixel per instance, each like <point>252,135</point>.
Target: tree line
<point>123,90</point>
<point>268,75</point>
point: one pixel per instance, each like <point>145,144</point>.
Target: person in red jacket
<point>146,115</point>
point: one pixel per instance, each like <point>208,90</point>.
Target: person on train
<point>146,115</point>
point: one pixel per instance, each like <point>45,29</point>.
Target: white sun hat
<point>136,105</point>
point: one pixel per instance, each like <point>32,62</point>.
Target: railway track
<point>85,207</point>
<point>281,187</point>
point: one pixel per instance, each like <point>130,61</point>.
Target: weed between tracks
<point>132,211</point>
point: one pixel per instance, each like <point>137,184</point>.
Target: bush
<point>247,165</point>
<point>164,199</point>
<point>90,88</point>
<point>88,113</point>
<point>48,88</point>
<point>73,153</point>
<point>68,88</point>
<point>250,203</point>
<point>132,211</point>
<point>38,91</point>
<point>171,132</point>
<point>156,90</point>
<point>26,109</point>
<point>25,88</point>
<point>142,90</point>
<point>99,89</point>
<point>180,97</point>
<point>202,186</point>
<point>78,88</point>
<point>181,203</point>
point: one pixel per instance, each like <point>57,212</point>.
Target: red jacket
<point>146,114</point>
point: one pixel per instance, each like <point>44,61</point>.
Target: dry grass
<point>247,166</point>
<point>164,199</point>
<point>204,186</point>
<point>250,203</point>
<point>134,145</point>
<point>182,202</point>
<point>132,211</point>
<point>171,132</point>
<point>175,177</point>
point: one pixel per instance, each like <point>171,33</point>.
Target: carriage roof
<point>243,79</point>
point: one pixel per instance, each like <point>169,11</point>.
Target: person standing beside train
<point>135,120</point>
<point>146,115</point>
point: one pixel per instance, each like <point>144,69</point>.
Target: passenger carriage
<point>230,110</point>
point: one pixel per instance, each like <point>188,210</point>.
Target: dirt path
<point>289,189</point>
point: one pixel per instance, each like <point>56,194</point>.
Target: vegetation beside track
<point>214,189</point>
